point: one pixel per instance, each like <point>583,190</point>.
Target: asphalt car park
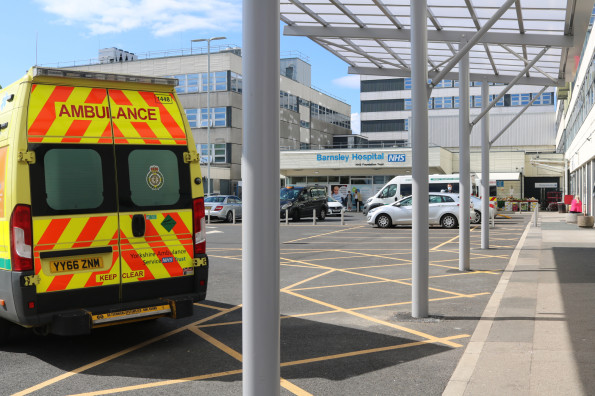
<point>345,328</point>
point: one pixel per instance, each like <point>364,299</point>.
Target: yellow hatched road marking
<point>371,319</point>
<point>238,356</point>
<point>375,277</point>
<point>327,233</point>
<point>443,340</point>
<point>118,354</point>
<point>307,279</point>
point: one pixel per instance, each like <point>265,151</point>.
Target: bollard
<point>209,217</point>
<point>286,216</point>
<point>535,213</point>
<point>343,216</point>
<point>493,218</point>
<point>357,205</point>
<point>314,217</point>
<point>234,215</point>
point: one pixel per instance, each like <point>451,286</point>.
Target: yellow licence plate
<point>77,264</point>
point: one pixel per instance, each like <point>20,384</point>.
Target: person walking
<point>349,201</point>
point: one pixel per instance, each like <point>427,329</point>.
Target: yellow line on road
<point>118,354</point>
<point>375,277</point>
<point>444,243</point>
<point>238,356</point>
<point>443,340</point>
<point>327,233</point>
<point>372,319</point>
<point>307,280</point>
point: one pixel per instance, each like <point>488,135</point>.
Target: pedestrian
<point>349,201</point>
<point>449,187</point>
<point>576,205</point>
<point>358,199</point>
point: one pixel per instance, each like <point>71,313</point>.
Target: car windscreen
<point>290,193</point>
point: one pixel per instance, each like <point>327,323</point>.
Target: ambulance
<point>101,202</point>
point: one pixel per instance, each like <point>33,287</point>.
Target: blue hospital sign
<point>396,158</point>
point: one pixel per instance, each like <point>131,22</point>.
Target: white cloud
<point>163,17</point>
<point>350,81</point>
<point>355,123</point>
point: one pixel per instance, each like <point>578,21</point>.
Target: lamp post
<point>208,40</point>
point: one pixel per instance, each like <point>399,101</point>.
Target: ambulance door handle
<point>138,225</point>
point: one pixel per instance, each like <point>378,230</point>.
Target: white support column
<point>260,175</point>
<point>464,161</point>
<point>485,168</point>
<point>420,168</point>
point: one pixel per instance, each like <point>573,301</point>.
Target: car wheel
<point>4,331</point>
<point>384,221</point>
<point>448,221</point>
<point>229,217</point>
<point>476,217</point>
<point>322,213</point>
<point>295,216</point>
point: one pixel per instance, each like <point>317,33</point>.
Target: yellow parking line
<point>327,233</point>
<point>307,280</point>
<point>442,340</point>
<point>375,255</point>
<point>118,354</point>
<point>444,243</point>
<point>238,356</point>
<point>376,277</point>
<point>371,319</point>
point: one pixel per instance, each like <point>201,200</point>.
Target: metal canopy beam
<point>517,116</point>
<point>503,79</point>
<point>510,85</point>
<point>470,42</point>
<point>450,36</point>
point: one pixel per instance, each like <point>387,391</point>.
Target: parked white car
<point>334,207</point>
<point>476,218</point>
<point>443,211</point>
<point>222,206</point>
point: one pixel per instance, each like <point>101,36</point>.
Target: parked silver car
<point>443,210</point>
<point>334,207</point>
<point>222,206</point>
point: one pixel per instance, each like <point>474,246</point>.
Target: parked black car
<point>301,202</point>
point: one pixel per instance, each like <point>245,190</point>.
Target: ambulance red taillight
<point>21,238</point>
<point>199,234</point>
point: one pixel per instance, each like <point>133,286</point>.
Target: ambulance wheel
<point>229,217</point>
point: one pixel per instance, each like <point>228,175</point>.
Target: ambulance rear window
<point>73,179</point>
<point>154,177</point>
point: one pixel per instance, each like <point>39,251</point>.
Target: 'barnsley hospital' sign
<point>359,159</point>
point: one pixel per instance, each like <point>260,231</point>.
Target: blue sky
<point>74,30</point>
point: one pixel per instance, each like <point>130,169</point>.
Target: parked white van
<point>401,186</point>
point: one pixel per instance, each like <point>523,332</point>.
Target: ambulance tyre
<point>229,217</point>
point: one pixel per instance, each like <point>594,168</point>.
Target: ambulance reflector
<point>21,240</point>
<point>199,226</point>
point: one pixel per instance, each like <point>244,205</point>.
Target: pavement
<point>537,333</point>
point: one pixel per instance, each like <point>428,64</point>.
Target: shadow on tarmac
<point>309,349</point>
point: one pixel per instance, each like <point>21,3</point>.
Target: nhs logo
<point>396,158</point>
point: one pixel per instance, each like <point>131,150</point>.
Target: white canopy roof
<point>373,36</point>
